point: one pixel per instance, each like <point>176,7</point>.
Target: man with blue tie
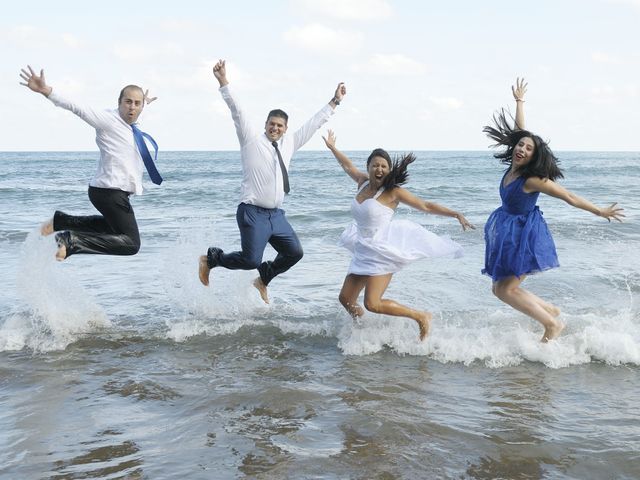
<point>265,158</point>
<point>123,156</point>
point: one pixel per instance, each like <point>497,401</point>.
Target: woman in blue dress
<point>518,241</point>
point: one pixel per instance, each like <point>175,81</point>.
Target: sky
<point>420,75</point>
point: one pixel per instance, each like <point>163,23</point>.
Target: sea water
<point>127,367</point>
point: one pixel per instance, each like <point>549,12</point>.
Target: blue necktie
<point>139,137</point>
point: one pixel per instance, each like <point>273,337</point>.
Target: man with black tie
<point>123,155</point>
<point>265,158</point>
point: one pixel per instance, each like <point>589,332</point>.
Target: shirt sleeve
<point>304,133</point>
<point>96,118</point>
<point>243,129</point>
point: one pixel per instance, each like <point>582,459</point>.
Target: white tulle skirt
<point>393,247</point>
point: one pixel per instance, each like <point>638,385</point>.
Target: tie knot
<point>275,144</point>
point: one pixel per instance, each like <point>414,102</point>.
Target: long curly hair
<point>398,174</point>
<point>543,164</point>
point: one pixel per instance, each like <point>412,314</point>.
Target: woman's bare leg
<point>373,301</point>
<point>351,288</point>
<point>509,291</point>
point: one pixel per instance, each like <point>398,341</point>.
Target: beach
<point>127,367</point>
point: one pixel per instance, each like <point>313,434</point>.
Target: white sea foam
<point>226,305</point>
<point>54,309</point>
<point>495,337</point>
<point>501,338</point>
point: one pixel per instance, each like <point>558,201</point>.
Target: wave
<point>54,309</point>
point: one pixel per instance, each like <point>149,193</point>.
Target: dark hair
<point>398,174</point>
<point>543,164</point>
<point>128,87</point>
<point>278,113</point>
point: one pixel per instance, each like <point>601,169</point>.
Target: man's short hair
<point>128,87</point>
<point>278,113</point>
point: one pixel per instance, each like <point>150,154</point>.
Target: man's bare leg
<point>203,270</point>
<point>262,288</point>
<point>46,228</point>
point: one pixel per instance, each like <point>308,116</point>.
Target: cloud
<point>392,65</point>
<point>137,53</point>
<point>24,35</point>
<point>633,3</point>
<point>179,26</point>
<point>615,94</point>
<point>349,9</point>
<point>602,57</point>
<point>70,40</point>
<point>447,103</point>
<point>28,36</point>
<point>321,39</point>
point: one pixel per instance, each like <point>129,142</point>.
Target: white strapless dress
<point>381,245</point>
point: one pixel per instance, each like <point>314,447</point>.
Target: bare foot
<point>551,333</point>
<point>46,228</point>
<point>424,322</point>
<point>262,288</point>
<point>203,270</point>
<point>61,253</point>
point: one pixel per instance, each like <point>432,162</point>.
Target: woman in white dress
<point>381,246</point>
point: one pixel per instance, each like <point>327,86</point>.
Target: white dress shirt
<point>120,165</point>
<point>261,174</point>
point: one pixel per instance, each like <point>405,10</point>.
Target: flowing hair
<point>398,174</point>
<point>543,164</point>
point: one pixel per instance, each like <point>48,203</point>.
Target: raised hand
<point>519,89</point>
<point>341,91</point>
<point>330,140</point>
<point>35,82</point>
<point>147,98</point>
<point>612,211</point>
<point>220,72</point>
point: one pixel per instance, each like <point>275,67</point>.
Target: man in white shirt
<point>265,158</point>
<point>118,176</point>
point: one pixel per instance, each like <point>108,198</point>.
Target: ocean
<point>128,368</point>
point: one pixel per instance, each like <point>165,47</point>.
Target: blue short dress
<point>518,241</point>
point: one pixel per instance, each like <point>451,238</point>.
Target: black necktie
<point>285,175</point>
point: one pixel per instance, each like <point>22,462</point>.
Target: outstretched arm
<point>38,84</point>
<point>536,184</point>
<point>35,82</point>
<point>339,94</point>
<point>344,161</point>
<point>408,198</point>
<point>518,91</point>
<point>220,72</point>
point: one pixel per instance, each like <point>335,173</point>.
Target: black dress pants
<point>115,232</point>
